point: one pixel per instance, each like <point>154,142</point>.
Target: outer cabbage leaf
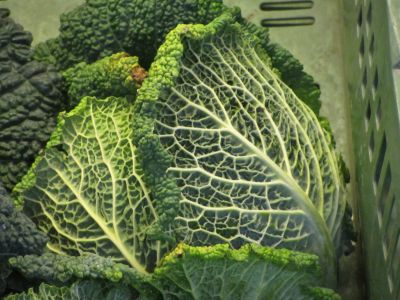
<point>293,75</point>
<point>252,272</point>
<point>216,272</point>
<point>61,269</point>
<point>18,236</point>
<point>251,159</point>
<point>29,179</point>
<point>30,98</point>
<point>84,38</point>
<point>45,292</point>
<point>16,42</point>
<point>100,28</point>
<point>89,193</point>
<point>45,51</point>
<point>64,270</point>
<point>117,75</point>
<point>81,290</point>
<point>318,293</point>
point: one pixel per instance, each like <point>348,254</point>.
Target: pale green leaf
<point>252,272</point>
<point>90,194</point>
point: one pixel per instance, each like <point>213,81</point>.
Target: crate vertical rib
<point>372,59</point>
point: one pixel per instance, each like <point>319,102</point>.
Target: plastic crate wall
<point>373,75</point>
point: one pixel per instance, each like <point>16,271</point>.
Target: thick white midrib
<point>234,132</point>
<point>220,104</point>
<point>54,249</point>
<point>59,229</point>
<point>274,127</point>
<point>331,158</point>
<point>295,120</point>
<point>334,167</point>
<point>261,105</point>
<point>215,96</point>
<point>110,169</point>
<point>130,257</point>
<point>320,209</point>
<point>333,162</point>
<point>288,110</point>
<point>113,179</point>
<point>299,195</point>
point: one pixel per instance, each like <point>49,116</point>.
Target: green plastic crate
<point>372,60</point>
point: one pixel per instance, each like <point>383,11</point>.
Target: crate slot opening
<point>380,160</point>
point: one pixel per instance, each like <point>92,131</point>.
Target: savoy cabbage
<point>181,183</point>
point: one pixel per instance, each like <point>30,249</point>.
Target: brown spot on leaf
<point>138,74</point>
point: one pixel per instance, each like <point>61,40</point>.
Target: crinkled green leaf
<point>91,195</point>
<point>65,270</point>
<point>30,98</point>
<point>53,268</point>
<point>252,272</point>
<point>18,234</point>
<point>89,289</point>
<point>100,28</point>
<point>251,159</point>
<point>29,179</point>
<point>318,293</point>
<point>214,272</point>
<point>81,290</point>
<point>290,68</point>
<point>45,292</point>
<point>117,75</point>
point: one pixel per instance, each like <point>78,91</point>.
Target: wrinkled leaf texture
<point>251,159</point>
<point>91,194</point>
